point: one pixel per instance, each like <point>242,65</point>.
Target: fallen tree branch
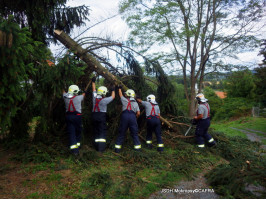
<point>94,64</point>
<point>148,79</point>
<point>179,123</point>
<point>83,54</point>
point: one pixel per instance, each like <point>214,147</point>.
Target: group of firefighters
<point>130,113</point>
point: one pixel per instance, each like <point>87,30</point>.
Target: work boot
<point>213,144</point>
<point>76,154</point>
<point>117,150</point>
<point>159,151</point>
<point>200,149</point>
<point>149,146</point>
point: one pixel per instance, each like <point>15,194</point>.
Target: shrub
<point>233,107</point>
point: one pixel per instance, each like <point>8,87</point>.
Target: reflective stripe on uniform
<point>160,145</point>
<point>211,140</point>
<point>100,140</point>
<point>153,113</point>
<point>74,146</point>
<point>137,146</point>
<point>96,106</point>
<point>148,141</point>
<point>78,144</point>
<point>71,104</point>
<point>201,145</point>
<point>129,105</point>
<point>118,146</point>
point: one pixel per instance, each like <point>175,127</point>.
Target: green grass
<point>130,175</point>
<point>258,124</point>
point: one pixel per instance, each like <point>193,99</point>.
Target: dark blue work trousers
<point>99,128</point>
<point>201,133</point>
<point>128,120</point>
<point>154,125</point>
<point>74,129</point>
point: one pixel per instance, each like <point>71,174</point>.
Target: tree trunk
<point>94,64</point>
<point>192,105</point>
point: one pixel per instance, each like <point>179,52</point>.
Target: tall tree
<point>241,84</point>
<point>192,35</point>
<point>261,76</point>
<point>263,53</point>
<point>44,16</point>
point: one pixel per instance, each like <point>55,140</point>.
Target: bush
<point>233,107</point>
<point>241,84</point>
<point>245,167</point>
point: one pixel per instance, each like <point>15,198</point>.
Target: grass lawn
<point>127,175</point>
<point>258,124</point>
<point>36,173</point>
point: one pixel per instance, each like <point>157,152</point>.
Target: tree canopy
<point>263,52</point>
<point>241,84</point>
<point>191,36</point>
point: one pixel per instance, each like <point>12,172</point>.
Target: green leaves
<point>241,84</point>
<point>187,31</point>
<point>44,16</point>
<point>16,64</point>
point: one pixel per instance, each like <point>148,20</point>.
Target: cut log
<point>94,64</point>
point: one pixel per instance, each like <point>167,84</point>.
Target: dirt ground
<point>17,182</point>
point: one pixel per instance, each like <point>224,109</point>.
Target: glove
<point>119,86</point>
<point>112,89</point>
<point>194,122</point>
<point>81,92</point>
<point>87,91</point>
<point>93,79</point>
<point>137,97</point>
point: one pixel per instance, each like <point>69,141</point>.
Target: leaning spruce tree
<point>19,54</point>
<point>42,17</point>
<point>192,36</point>
<point>23,26</point>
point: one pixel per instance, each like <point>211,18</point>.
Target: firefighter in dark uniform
<point>130,112</point>
<point>73,117</point>
<point>153,121</point>
<point>203,122</point>
<point>99,110</point>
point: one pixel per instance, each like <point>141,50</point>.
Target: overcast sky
<point>117,28</point>
<point>99,11</point>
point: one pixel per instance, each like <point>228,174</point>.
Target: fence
<point>258,112</point>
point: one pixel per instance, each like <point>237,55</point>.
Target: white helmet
<point>130,93</point>
<point>151,98</point>
<point>200,97</point>
<point>102,90</point>
<point>73,89</point>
